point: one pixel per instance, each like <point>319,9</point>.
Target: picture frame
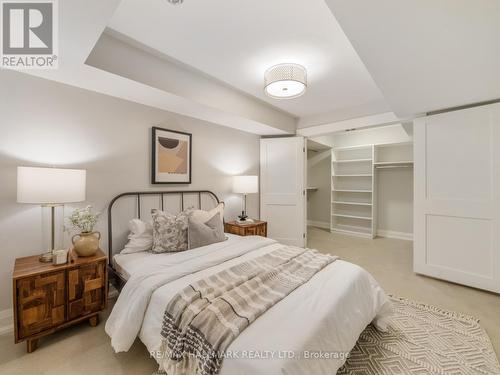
<point>171,153</point>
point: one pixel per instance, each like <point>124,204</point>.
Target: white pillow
<point>140,237</point>
<point>205,216</point>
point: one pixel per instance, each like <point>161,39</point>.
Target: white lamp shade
<point>245,184</point>
<point>50,185</point>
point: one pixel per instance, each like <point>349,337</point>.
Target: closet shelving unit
<point>393,155</point>
<point>354,184</point>
<point>389,158</point>
<point>352,190</point>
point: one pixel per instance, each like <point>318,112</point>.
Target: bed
<point>309,331</point>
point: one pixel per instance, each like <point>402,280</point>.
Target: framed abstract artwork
<point>171,157</point>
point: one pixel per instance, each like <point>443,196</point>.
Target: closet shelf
<point>352,191</point>
<point>353,203</point>
<point>352,161</point>
<point>352,175</point>
<point>352,216</point>
<point>405,162</point>
<point>354,171</point>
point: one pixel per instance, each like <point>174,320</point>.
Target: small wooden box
<point>257,228</point>
<point>48,298</point>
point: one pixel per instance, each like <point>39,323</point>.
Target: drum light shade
<point>245,184</point>
<point>285,81</point>
<point>48,186</point>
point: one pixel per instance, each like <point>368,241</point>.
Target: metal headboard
<point>161,195</point>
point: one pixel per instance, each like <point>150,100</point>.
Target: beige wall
<point>318,175</point>
<point>44,123</point>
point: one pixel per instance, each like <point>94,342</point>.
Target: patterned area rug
<point>423,340</point>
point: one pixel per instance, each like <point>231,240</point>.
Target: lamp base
<point>46,257</point>
<point>243,216</point>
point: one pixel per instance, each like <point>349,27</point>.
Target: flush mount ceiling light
<point>285,81</point>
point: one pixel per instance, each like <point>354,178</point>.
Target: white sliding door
<point>282,180</point>
<point>457,196</point>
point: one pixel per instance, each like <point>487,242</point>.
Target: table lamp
<point>50,187</point>
<point>245,185</point>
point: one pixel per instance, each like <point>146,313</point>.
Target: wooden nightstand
<point>257,228</point>
<point>48,298</point>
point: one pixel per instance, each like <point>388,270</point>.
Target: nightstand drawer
<point>41,303</point>
<point>50,297</point>
<point>251,231</point>
<point>86,289</point>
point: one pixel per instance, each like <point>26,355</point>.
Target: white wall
<point>395,201</point>
<point>121,57</point>
<point>318,175</point>
<point>46,123</point>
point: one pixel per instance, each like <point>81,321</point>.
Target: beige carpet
<point>85,350</point>
<point>390,261</point>
<point>423,339</point>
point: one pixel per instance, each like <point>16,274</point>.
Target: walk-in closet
<point>370,182</point>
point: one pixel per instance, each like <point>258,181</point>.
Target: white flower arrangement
<point>83,219</point>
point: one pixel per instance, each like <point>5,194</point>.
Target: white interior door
<point>282,187</point>
<point>457,196</point>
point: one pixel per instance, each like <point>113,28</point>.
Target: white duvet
<point>308,332</point>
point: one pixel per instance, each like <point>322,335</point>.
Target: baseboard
<point>6,323</point>
<point>319,224</point>
<point>394,234</point>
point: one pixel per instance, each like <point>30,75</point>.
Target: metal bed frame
<point>114,276</point>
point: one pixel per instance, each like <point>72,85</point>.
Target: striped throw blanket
<point>202,320</point>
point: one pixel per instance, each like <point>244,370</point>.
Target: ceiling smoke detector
<point>175,2</point>
<point>285,81</point>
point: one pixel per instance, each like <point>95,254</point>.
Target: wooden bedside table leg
<point>94,321</point>
<point>31,345</point>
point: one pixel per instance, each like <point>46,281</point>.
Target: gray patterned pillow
<point>170,231</point>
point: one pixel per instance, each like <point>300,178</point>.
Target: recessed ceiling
<point>235,42</point>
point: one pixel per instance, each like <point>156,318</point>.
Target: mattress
<point>128,264</point>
